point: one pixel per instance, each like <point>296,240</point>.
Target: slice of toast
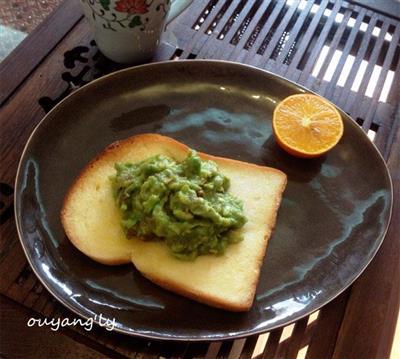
<point>91,220</point>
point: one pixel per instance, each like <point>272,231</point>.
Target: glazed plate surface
<point>332,220</point>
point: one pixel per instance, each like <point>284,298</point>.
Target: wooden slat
<point>19,290</point>
<point>295,31</point>
<point>212,43</point>
<point>360,56</point>
<point>368,72</point>
<point>41,302</point>
<point>322,343</point>
<point>249,347</point>
<point>382,76</point>
<point>6,208</point>
<point>390,343</point>
<point>237,348</point>
<point>388,7</point>
<point>249,56</point>
<point>333,46</point>
<point>320,85</point>
<point>278,33</point>
<point>221,50</point>
<point>33,295</point>
<point>213,350</point>
<point>50,307</point>
<point>60,312</point>
<point>320,42</point>
<point>309,33</point>
<point>251,31</point>
<point>392,137</point>
<point>173,350</point>
<point>197,40</point>
<point>191,15</point>
<point>130,347</point>
<point>152,350</point>
<point>381,138</point>
<point>232,55</point>
<point>238,23</point>
<point>394,94</point>
<point>37,46</point>
<point>272,344</point>
<point>228,16</point>
<point>345,53</point>
<point>12,264</point>
<point>296,338</point>
<point>225,349</point>
<point>7,230</point>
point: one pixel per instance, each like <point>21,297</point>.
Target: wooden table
<point>60,56</point>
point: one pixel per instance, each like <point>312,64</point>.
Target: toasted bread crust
<point>176,150</point>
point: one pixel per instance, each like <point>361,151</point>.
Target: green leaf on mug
<point>136,21</point>
<point>105,4</point>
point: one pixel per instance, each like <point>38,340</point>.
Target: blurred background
<point>18,18</point>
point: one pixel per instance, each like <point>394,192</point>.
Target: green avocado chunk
<point>186,204</point>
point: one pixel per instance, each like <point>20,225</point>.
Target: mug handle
<point>177,7</point>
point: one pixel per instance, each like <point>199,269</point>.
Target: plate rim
<point>191,338</point>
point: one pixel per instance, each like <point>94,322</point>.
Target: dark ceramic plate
<point>333,217</point>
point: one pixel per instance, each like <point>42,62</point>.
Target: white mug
<point>129,31</point>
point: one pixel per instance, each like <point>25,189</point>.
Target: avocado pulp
<point>186,204</point>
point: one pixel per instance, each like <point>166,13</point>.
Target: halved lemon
<point>306,125</point>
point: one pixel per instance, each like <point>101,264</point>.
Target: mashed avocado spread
<point>186,204</point>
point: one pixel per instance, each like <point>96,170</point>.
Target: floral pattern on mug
<point>132,6</point>
<point>124,13</point>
